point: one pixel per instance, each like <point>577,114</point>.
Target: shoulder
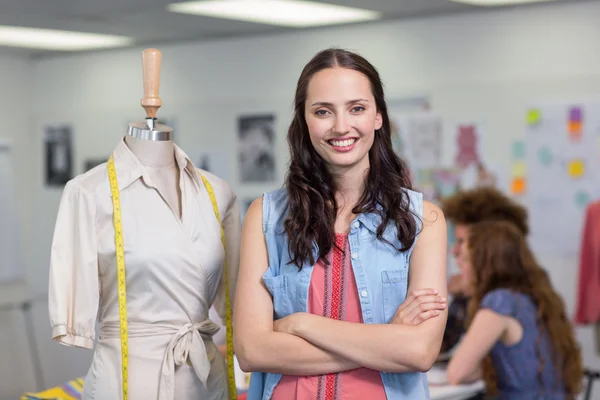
<point>220,187</point>
<point>274,207</point>
<point>502,301</point>
<point>432,212</point>
<point>276,197</point>
<point>415,200</point>
<point>432,221</point>
<point>90,184</point>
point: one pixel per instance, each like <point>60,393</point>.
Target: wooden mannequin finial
<point>151,59</point>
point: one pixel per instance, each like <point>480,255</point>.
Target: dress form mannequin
<point>174,267</point>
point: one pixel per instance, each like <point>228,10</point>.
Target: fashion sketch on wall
<point>256,151</point>
<point>59,154</point>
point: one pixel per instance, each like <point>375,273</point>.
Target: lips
<point>343,145</point>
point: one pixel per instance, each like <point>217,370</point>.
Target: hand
<point>290,323</point>
<point>419,306</point>
<point>223,349</point>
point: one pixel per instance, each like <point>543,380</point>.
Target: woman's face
<point>466,270</point>
<point>342,117</point>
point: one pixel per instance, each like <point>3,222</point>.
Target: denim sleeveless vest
<point>381,274</point>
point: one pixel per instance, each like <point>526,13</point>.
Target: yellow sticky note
<point>519,169</point>
<point>534,116</point>
<point>576,168</point>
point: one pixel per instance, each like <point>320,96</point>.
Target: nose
<point>341,125</point>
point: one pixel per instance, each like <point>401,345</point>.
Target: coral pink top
<point>333,293</point>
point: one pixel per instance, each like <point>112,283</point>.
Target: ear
<point>378,121</point>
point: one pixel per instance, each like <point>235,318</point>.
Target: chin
<point>345,162</point>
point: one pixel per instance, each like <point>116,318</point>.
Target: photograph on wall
<point>256,151</point>
<point>93,163</point>
<point>59,154</point>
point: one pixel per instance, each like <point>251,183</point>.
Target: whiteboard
<point>10,268</point>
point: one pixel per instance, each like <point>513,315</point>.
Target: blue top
<point>381,274</point>
<point>517,365</point>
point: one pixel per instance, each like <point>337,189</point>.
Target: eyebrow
<point>325,103</point>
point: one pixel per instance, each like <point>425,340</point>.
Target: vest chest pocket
<point>277,285</point>
<point>394,284</point>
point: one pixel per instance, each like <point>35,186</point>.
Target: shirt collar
<point>369,220</point>
<point>372,220</point>
<point>129,168</point>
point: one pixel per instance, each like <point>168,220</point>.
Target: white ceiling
<point>148,22</point>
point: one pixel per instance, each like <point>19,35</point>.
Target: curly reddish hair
<point>484,204</point>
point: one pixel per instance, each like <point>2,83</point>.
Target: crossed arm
<point>307,344</point>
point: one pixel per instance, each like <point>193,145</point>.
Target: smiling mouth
<point>342,143</point>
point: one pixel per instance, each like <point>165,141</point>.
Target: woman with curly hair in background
<point>463,210</point>
<point>518,336</point>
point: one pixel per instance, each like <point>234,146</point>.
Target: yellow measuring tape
<point>228,319</point>
<point>120,254</point>
<point>114,190</point>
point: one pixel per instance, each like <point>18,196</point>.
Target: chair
<point>591,377</point>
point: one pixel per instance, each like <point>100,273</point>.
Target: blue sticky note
<point>582,198</point>
<point>518,150</point>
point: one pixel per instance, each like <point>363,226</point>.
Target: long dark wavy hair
<point>501,258</point>
<point>312,207</point>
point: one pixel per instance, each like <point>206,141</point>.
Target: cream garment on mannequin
<point>174,274</point>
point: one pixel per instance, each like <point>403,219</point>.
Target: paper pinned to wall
<point>421,136</point>
<point>563,171</point>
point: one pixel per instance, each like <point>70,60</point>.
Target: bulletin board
<point>557,170</point>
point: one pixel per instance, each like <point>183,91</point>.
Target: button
<point>355,225</point>
<point>364,293</point>
<point>354,256</point>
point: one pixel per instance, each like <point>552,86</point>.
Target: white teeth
<point>342,143</point>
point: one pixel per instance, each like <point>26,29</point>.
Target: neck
<point>152,153</point>
<point>350,185</point>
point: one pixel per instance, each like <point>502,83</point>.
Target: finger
<point>424,316</point>
<point>424,308</point>
<point>414,296</point>
<point>415,304</point>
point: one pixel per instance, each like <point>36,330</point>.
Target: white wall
<point>485,66</point>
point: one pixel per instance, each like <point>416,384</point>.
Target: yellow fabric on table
<point>69,391</point>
